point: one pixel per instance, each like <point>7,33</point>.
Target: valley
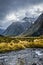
<point>21,32</point>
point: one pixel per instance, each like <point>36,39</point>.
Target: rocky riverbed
<point>31,56</point>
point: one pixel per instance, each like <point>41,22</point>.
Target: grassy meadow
<point>13,44</point>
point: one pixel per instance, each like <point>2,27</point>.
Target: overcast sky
<point>17,9</point>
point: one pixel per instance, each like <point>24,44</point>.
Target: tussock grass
<point>9,44</point>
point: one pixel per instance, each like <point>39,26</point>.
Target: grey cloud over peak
<point>14,6</point>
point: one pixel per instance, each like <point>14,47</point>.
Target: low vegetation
<point>11,44</point>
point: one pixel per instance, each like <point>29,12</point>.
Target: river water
<point>23,57</point>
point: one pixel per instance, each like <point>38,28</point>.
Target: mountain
<point>36,29</point>
<point>30,19</point>
<point>16,28</point>
<point>1,31</point>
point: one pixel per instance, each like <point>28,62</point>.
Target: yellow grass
<point>22,44</point>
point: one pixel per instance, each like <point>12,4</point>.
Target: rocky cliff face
<point>36,29</point>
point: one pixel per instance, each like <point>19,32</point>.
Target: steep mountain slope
<point>30,19</point>
<point>1,31</point>
<point>13,29</point>
<point>36,29</point>
<point>16,28</point>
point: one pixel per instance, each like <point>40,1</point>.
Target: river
<point>23,57</point>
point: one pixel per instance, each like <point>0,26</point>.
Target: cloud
<point>17,9</point>
<point>7,6</point>
<point>11,17</point>
<point>13,5</point>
